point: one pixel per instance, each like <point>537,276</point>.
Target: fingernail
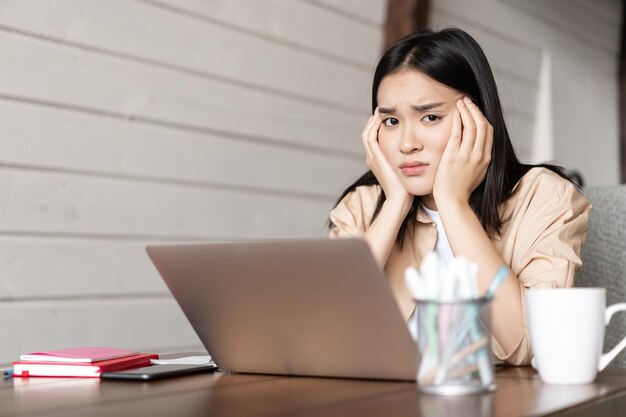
<point>467,100</point>
<point>460,103</point>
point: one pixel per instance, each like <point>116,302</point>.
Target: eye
<point>390,121</point>
<point>430,118</point>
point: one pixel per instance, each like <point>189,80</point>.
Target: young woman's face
<point>416,113</point>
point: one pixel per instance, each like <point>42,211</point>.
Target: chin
<point>419,191</point>
<point>418,186</point>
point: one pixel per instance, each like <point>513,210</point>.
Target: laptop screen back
<point>315,307</point>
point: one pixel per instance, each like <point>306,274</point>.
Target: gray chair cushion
<point>604,256</point>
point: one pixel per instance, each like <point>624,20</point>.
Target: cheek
<point>438,139</point>
<point>446,129</point>
<point>442,143</point>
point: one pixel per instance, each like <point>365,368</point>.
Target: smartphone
<point>150,373</point>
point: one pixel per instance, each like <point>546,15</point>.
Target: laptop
<point>311,307</point>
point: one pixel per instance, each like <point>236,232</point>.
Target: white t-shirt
<point>442,249</point>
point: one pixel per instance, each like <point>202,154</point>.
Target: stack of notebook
<point>80,362</point>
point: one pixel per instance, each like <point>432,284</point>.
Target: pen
<point>498,279</point>
<point>484,366</point>
<point>433,375</point>
<point>456,333</point>
<point>473,315</point>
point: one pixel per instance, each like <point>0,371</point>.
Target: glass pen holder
<point>454,346</point>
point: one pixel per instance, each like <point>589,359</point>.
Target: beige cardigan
<point>540,241</point>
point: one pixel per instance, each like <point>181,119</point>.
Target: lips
<point>413,168</point>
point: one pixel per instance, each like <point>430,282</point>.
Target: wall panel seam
<point>344,13</point>
<point>180,183</point>
<point>42,234</point>
<point>160,296</point>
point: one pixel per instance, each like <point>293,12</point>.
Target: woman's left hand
<point>467,155</point>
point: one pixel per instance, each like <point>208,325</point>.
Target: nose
<point>410,142</point>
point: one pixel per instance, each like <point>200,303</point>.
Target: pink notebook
<point>85,354</point>
<point>81,369</point>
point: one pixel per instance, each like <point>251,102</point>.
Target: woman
<point>444,177</point>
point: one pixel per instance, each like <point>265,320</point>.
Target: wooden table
<point>519,393</point>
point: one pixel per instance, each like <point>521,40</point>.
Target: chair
<point>604,257</point>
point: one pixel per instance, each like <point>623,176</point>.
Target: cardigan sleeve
<point>551,221</point>
<point>352,216</point>
<point>551,235</point>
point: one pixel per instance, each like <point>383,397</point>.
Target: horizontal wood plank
<point>37,268</point>
<point>296,23</point>
<point>370,12</point>
<point>191,44</point>
<point>48,137</point>
<point>126,89</point>
<point>43,203</point>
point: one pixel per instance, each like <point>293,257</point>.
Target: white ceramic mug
<point>567,333</point>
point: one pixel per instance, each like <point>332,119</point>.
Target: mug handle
<point>606,358</point>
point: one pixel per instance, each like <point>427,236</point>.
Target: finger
<point>454,142</point>
<point>369,158</point>
<point>370,138</point>
<point>371,132</point>
<point>489,143</point>
<point>367,128</point>
<point>373,123</point>
<point>367,132</point>
<point>374,146</point>
<point>481,127</point>
<point>469,129</point>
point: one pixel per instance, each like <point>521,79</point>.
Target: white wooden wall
<point>559,56</point>
<point>128,122</point>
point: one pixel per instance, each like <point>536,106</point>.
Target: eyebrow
<point>418,108</point>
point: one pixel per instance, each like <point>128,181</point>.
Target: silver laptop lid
<point>315,307</point>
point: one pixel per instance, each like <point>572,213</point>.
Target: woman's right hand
<point>384,173</point>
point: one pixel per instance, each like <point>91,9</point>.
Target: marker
<point>498,279</point>
<point>484,365</point>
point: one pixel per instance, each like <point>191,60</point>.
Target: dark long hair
<point>453,58</point>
